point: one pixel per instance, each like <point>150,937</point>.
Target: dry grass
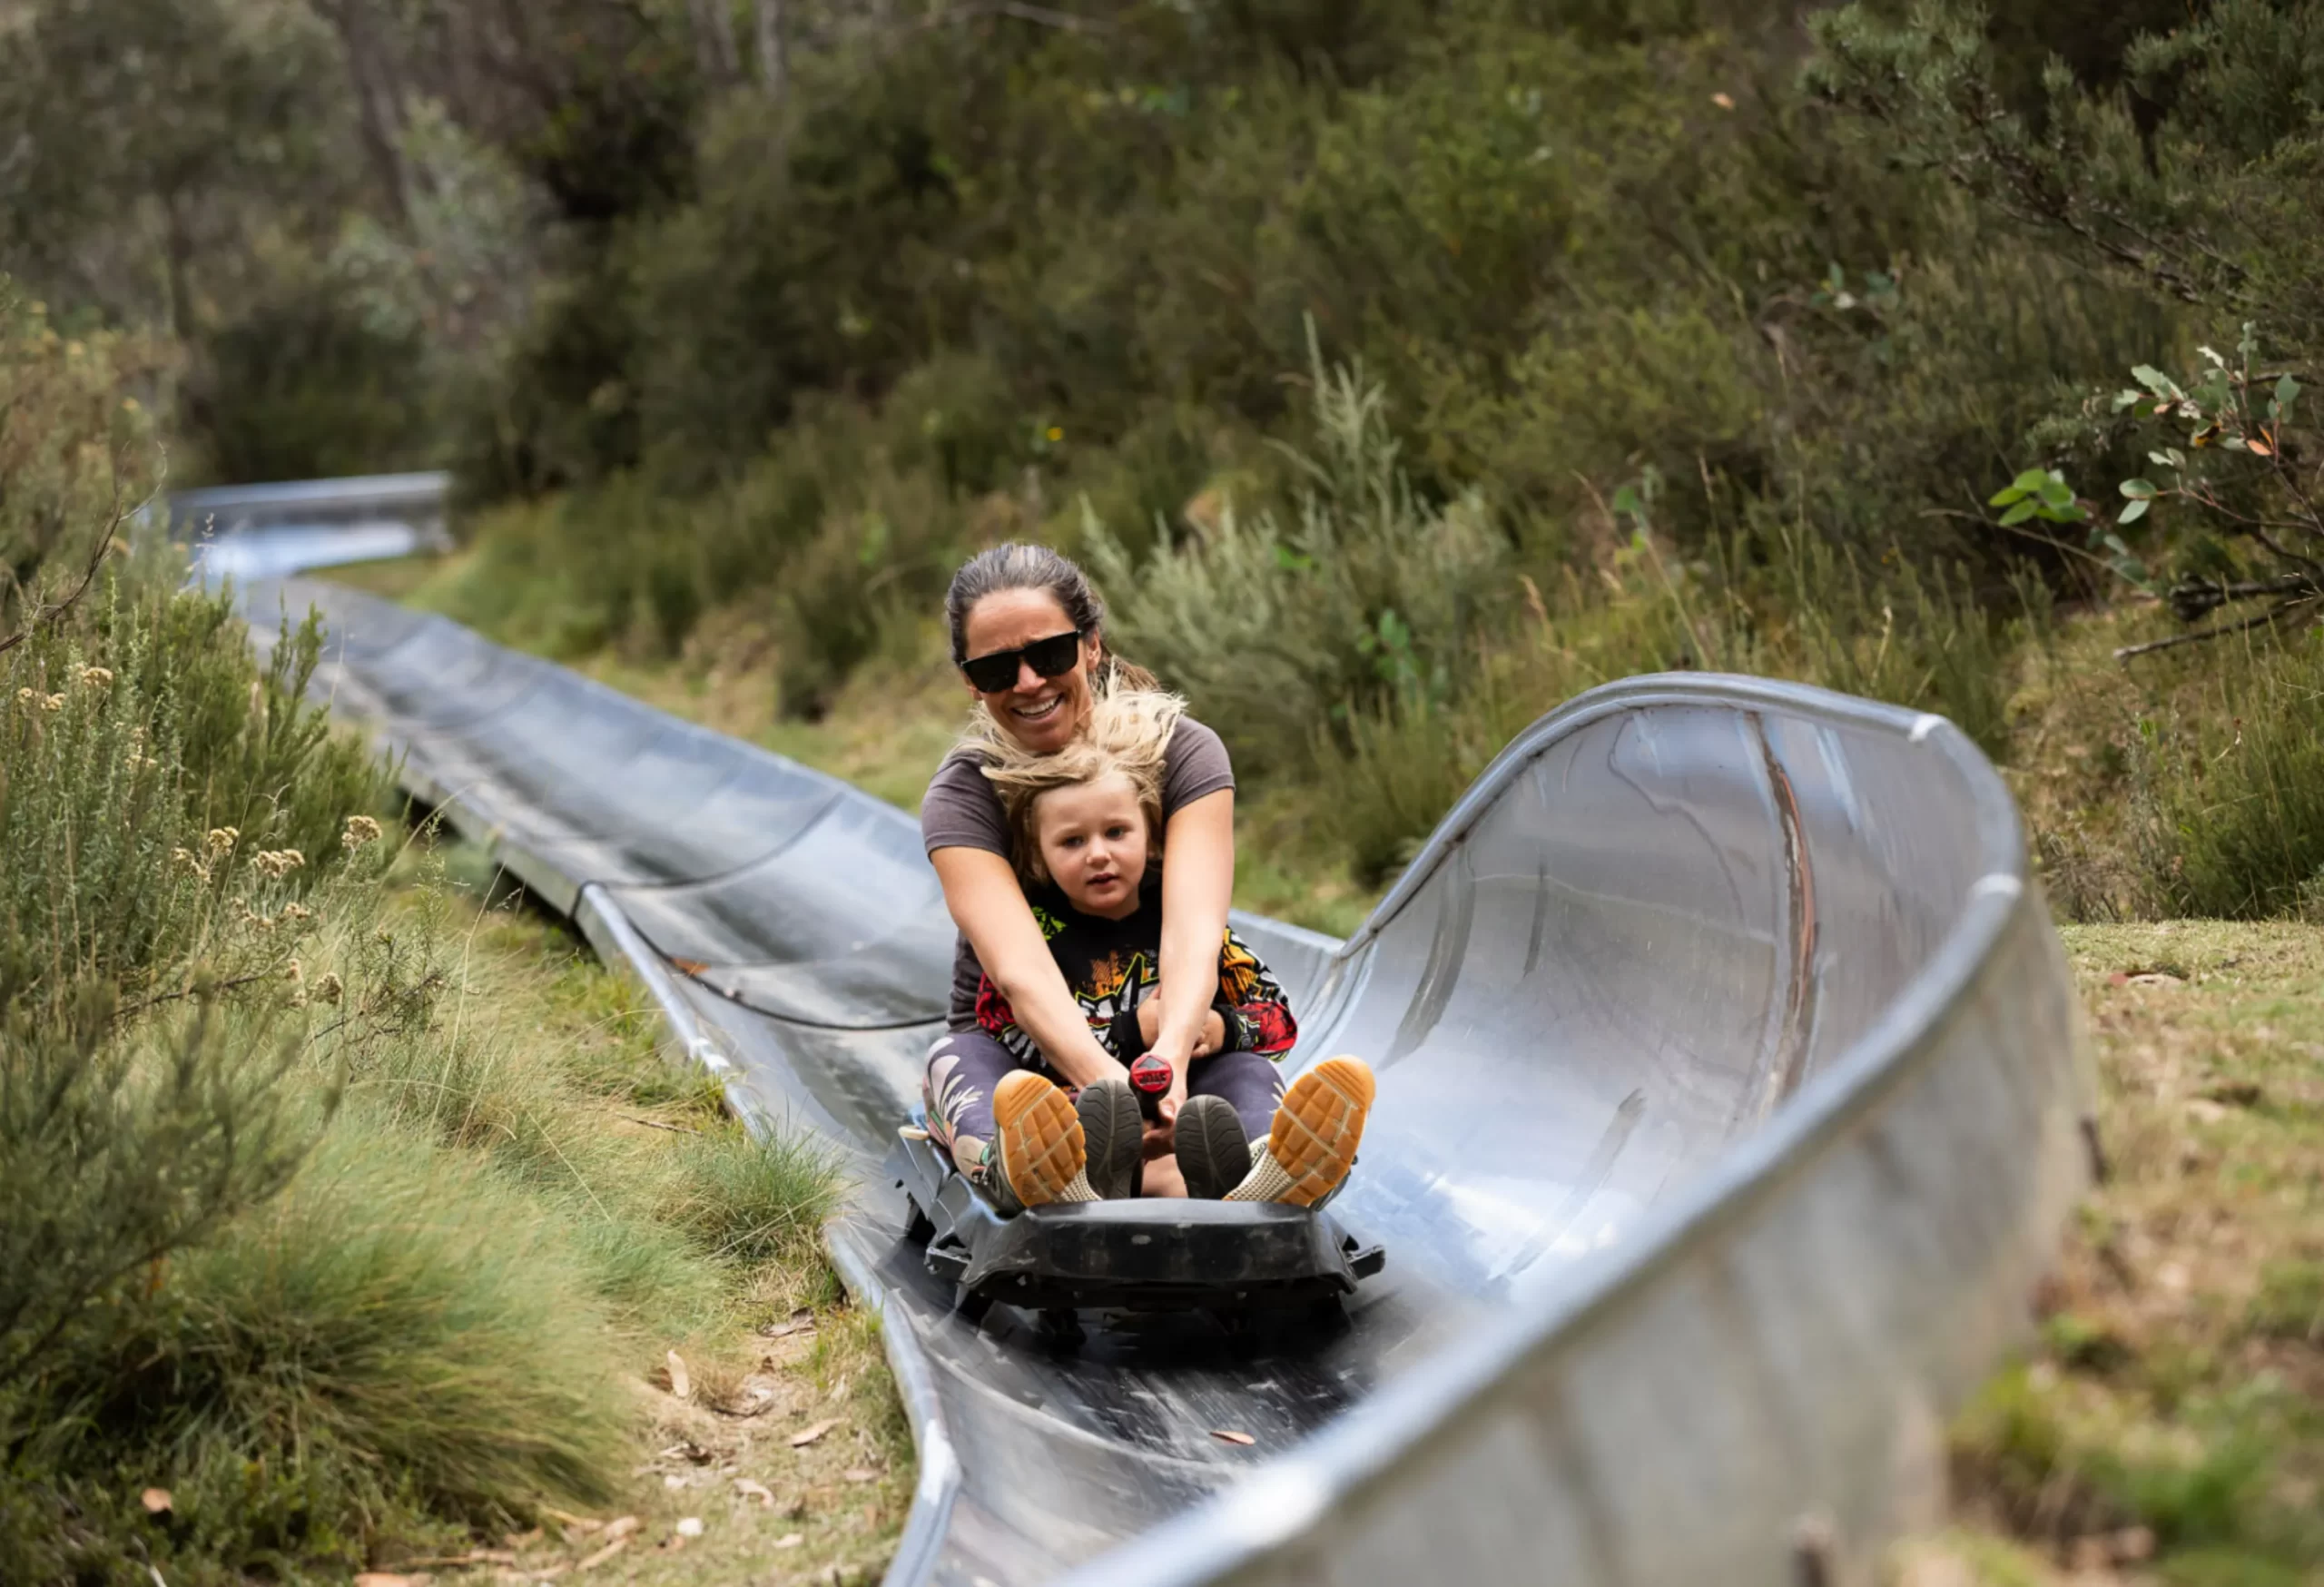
<point>2170,1428</point>
<point>720,1491</point>
<point>772,1512</point>
<point>771,1347</point>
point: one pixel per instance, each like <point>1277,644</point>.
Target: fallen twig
<point>2126,652</point>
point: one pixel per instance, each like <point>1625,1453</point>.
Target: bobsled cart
<point>1231,1259</point>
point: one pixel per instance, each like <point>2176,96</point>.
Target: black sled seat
<point>1141,1254</point>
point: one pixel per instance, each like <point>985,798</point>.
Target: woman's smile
<point>1042,714</point>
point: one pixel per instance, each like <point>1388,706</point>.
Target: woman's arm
<point>989,906</point>
<point>1198,883</point>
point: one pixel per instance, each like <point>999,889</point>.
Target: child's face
<point>1093,840</point>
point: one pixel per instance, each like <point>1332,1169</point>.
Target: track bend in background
<point>1731,1103</point>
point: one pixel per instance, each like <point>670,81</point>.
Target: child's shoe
<point>1214,1154</point>
<point>1037,1138</point>
<point>1317,1128</point>
<point>1113,1137</point>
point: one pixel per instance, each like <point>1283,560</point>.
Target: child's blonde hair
<point>1129,730</point>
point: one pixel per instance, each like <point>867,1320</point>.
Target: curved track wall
<point>1730,1101</point>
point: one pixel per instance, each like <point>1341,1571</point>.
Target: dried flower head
<point>222,838</point>
<point>360,829</point>
<point>328,989</point>
<point>53,702</point>
<point>187,860</point>
<point>277,863</point>
<point>97,678</point>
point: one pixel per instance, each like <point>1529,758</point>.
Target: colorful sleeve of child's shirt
<point>997,1019</point>
<point>1251,1003</point>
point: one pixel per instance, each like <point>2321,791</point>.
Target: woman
<point>1028,634</point>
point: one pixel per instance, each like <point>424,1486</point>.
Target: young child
<point>1086,822</point>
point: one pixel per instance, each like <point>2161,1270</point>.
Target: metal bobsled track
<point>1731,1101</point>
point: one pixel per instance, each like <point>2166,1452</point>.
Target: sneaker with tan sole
<point>1318,1128</point>
<point>1038,1137</point>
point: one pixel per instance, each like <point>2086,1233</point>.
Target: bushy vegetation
<point>1403,375</point>
<point>1405,367</point>
<point>308,1232</point>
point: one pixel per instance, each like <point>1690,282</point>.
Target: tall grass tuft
<point>401,1327</point>
<point>2235,783</point>
<point>747,1200</point>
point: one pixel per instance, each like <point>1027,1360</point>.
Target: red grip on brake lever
<point>1150,1078</point>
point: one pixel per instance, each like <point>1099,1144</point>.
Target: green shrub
<point>148,771</point>
<point>306,384</point>
<point>1270,631</point>
<point>1907,635</point>
<point>119,1153</point>
<point>76,445</point>
<point>872,571</point>
<point>165,807</point>
<point>2290,1304</point>
<point>128,1134</point>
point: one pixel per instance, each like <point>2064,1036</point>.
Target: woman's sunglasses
<point>1051,658</point>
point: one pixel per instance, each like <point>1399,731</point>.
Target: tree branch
<point>1021,10</point>
<point>230,984</point>
<point>50,612</point>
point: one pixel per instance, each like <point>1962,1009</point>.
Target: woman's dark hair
<point>1010,565</point>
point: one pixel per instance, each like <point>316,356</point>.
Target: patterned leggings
<point>964,1066</point>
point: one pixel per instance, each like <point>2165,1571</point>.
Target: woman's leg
<point>1251,1085</point>
<point>964,1067</point>
<point>1012,1131</point>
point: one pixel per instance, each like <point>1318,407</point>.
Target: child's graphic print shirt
<point>1113,966</point>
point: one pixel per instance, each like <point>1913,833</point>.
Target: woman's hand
<point>1195,885</point>
<point>1161,1137</point>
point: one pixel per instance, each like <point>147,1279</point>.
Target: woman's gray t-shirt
<point>961,810</point>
